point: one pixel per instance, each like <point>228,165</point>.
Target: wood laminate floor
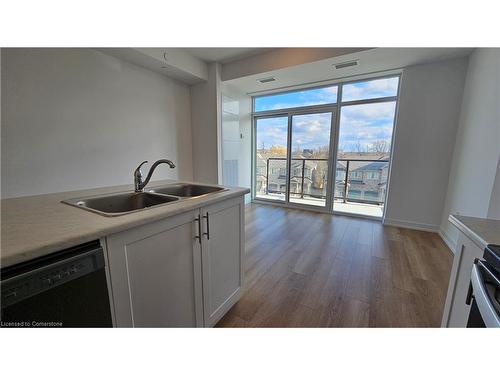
<point>305,269</point>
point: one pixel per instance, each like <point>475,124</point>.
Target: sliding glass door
<point>271,151</point>
<point>292,156</point>
<point>310,154</point>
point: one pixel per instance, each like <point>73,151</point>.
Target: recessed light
<point>266,80</point>
<point>346,64</point>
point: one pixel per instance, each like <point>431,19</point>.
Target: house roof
<point>374,166</point>
<point>363,155</point>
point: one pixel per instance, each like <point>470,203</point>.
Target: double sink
<point>127,202</point>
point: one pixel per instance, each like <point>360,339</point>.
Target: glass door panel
<point>363,155</point>
<point>271,140</point>
<point>310,141</point>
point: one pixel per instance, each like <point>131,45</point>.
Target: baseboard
<point>411,225</point>
<point>425,227</point>
<point>452,245</point>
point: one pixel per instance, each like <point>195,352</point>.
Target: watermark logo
<point>29,324</point>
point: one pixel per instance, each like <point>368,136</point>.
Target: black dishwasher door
<point>66,289</point>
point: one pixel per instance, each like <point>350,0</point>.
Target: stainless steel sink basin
<point>120,203</point>
<point>126,202</point>
<point>186,190</point>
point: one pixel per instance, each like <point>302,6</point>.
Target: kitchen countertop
<point>38,225</point>
<point>482,232</point>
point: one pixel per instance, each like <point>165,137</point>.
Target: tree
<point>276,150</point>
<point>380,147</point>
<point>358,147</point>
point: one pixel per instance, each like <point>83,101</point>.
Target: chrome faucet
<point>139,184</point>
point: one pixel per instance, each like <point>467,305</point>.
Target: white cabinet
<point>456,311</point>
<point>164,275</point>
<point>155,273</point>
<point>222,253</point>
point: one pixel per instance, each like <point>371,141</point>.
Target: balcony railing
<point>343,186</point>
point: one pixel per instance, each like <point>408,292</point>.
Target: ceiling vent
<point>346,64</point>
<point>266,80</point>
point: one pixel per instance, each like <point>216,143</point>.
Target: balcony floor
<point>358,208</point>
<point>364,209</point>
<point>309,201</point>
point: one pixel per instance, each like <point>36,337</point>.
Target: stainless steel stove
<point>484,290</point>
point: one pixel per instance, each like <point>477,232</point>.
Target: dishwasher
<point>64,289</point>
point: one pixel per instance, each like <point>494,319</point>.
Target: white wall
<point>494,209</point>
<point>241,148</point>
<point>246,142</point>
<point>77,118</point>
<point>205,117</point>
<point>171,62</point>
<point>428,114</point>
<point>472,190</point>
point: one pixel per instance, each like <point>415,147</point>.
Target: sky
<point>325,95</point>
<point>365,124</point>
<point>311,131</point>
<point>377,88</point>
<point>272,132</point>
<point>360,124</point>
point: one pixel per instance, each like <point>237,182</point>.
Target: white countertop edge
<point>469,232</point>
<point>155,214</point>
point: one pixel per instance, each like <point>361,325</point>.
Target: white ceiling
<point>188,65</point>
<point>370,61</point>
<point>224,55</point>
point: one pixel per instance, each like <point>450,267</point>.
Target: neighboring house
<point>367,180</point>
<point>314,178</point>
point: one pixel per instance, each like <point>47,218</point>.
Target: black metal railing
<point>346,181</point>
<point>345,197</point>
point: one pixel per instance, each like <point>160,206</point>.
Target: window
<point>303,98</point>
<point>366,129</point>
<point>371,195</point>
<point>373,89</point>
<point>293,129</point>
<point>356,194</point>
<point>356,175</point>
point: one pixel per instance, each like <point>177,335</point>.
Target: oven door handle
<point>470,295</point>
<point>486,308</point>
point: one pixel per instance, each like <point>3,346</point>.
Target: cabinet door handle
<point>207,233</point>
<point>198,236</point>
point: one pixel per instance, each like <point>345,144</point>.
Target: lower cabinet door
<point>222,257</point>
<point>456,311</point>
<point>155,273</point>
